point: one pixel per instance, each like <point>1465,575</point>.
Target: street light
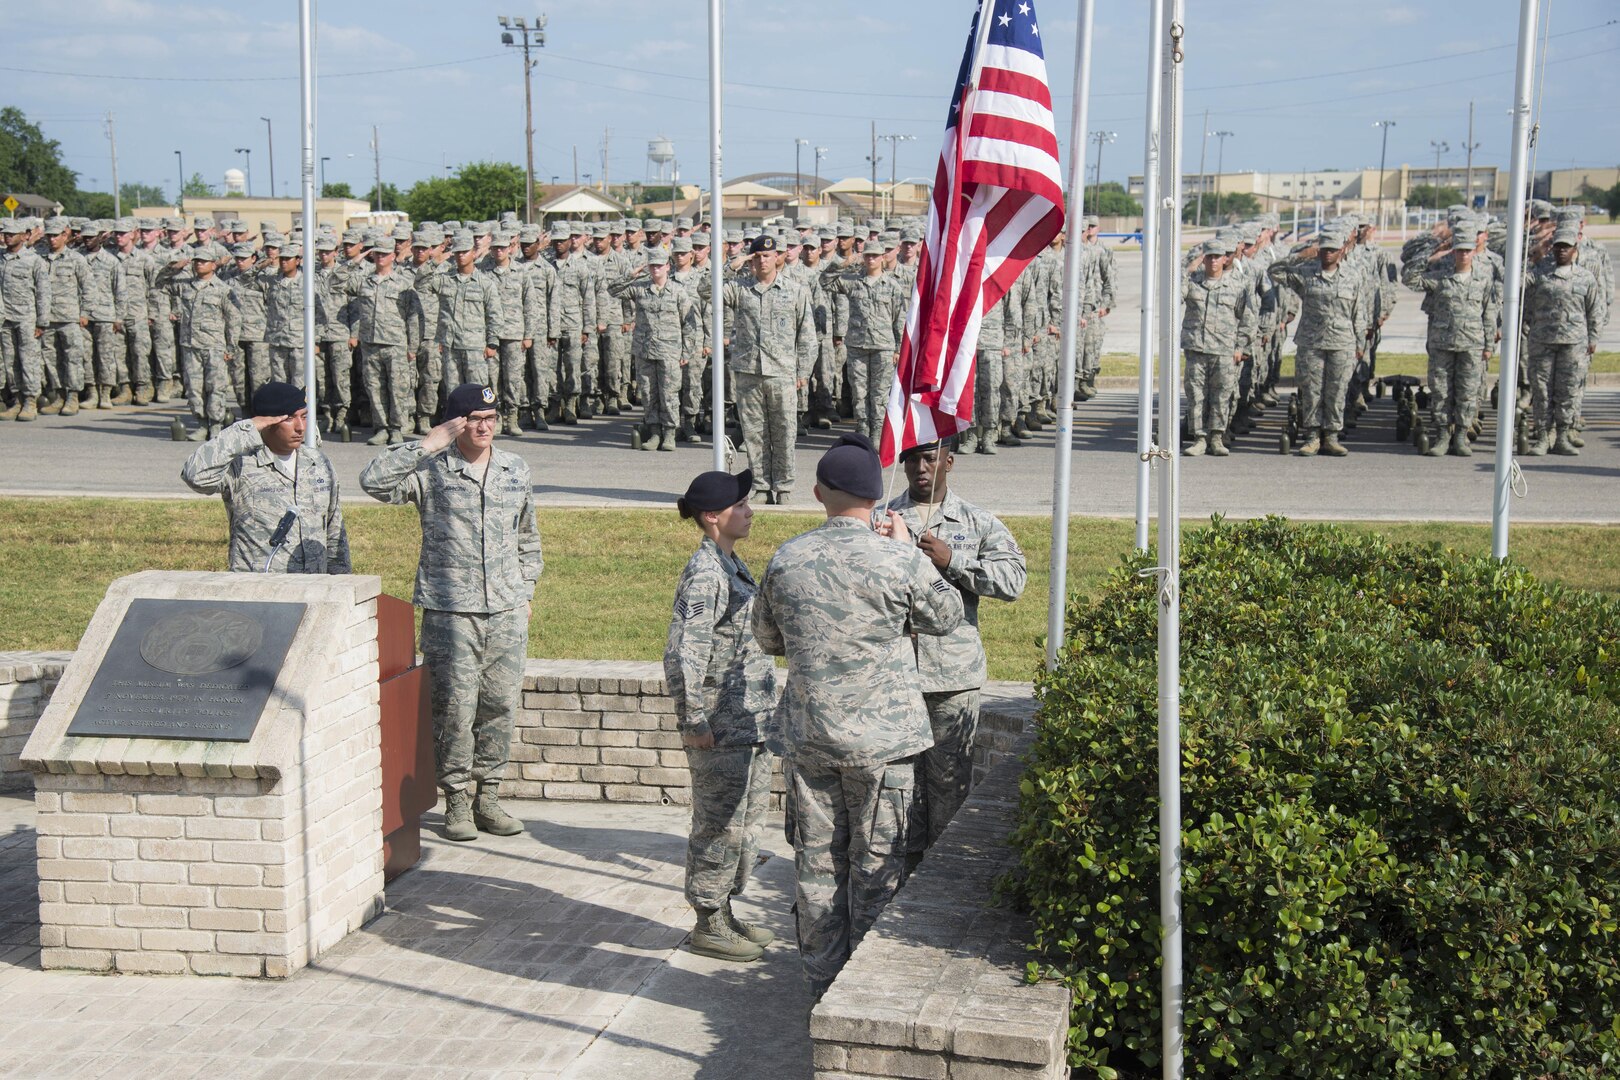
<point>1220,167</point>
<point>270,138</point>
<point>798,199</point>
<point>1382,154</point>
<point>180,193</point>
<point>894,152</point>
<point>532,37</point>
<point>821,152</point>
<point>324,160</point>
<point>1101,138</point>
<point>247,154</point>
<point>1439,148</point>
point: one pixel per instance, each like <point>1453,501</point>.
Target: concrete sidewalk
<point>553,953</point>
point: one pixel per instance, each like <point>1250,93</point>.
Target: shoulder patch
<point>942,586</point>
<point>690,609</point>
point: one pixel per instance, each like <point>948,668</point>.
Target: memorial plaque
<point>188,669</point>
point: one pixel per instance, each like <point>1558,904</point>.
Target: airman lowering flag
<point>997,202</point>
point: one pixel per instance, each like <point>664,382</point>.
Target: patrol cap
<point>12,226</point>
<point>380,245</point>
<point>657,225</point>
<point>844,230</point>
<point>528,234</point>
<point>712,491</point>
<point>353,236</point>
<point>911,234</point>
<point>632,225</point>
<point>1249,232</point>
<point>616,228</point>
<point>267,226</point>
<point>463,241</point>
<point>734,236</point>
<point>242,251</point>
<point>600,230</point>
<point>789,239</point>
<point>505,237</point>
<point>698,240</point>
<point>1330,239</point>
<point>681,245</point>
<point>872,247</point>
<point>292,251</point>
<point>1576,214</point>
<point>482,228</point>
<point>683,223</point>
<point>1567,232</point>
<point>1093,221</point>
<point>56,226</point>
<point>451,226</point>
<point>202,221</point>
<point>401,232</point>
<point>145,223</point>
<point>657,257</point>
<point>277,399</point>
<point>124,225</point>
<point>325,243</point>
<point>559,230</point>
<point>1219,245</point>
<point>1270,220</point>
<point>424,238</point>
<point>1541,209</point>
<point>204,253</point>
<point>274,239</point>
<point>852,466</point>
<point>825,233</point>
<point>509,217</point>
<point>467,399</point>
<point>762,243</point>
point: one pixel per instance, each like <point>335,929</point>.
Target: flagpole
<point>1169,598</point>
<point>1063,443</point>
<point>717,237</point>
<point>306,63</point>
<point>1507,383</point>
<point>1150,240</point>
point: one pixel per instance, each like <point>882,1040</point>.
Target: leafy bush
<point>1401,815</point>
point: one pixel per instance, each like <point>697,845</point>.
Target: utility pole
<point>607,135</point>
<point>1470,146</point>
<point>270,139</point>
<point>247,157</point>
<point>894,157</point>
<point>798,196</point>
<point>1439,148</point>
<point>1100,138</point>
<point>118,199</point>
<point>180,192</point>
<point>376,166</point>
<point>576,165</point>
<point>1382,155</point>
<point>874,160</point>
<point>532,37</point>
<point>821,152</point>
<point>1220,167</point>
<point>1198,215</point>
<point>324,160</point>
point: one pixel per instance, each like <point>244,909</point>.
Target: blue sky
<point>1298,82</point>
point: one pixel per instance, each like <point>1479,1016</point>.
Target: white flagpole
<point>717,239</point>
<point>306,105</point>
<point>1063,442</point>
<point>1169,310</point>
<point>1150,240</point>
<point>1507,385</point>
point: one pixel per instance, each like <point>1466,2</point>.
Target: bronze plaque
<point>188,669</point>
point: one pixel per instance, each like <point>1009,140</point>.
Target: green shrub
<point>1401,815</point>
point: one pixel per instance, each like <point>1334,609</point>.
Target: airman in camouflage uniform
<point>973,551</point>
<point>662,340</point>
<point>475,581</point>
<point>25,312</point>
<point>388,328</point>
<point>334,369</point>
<point>841,603</point>
<point>469,316</point>
<point>248,281</point>
<point>724,689</point>
<point>104,308</point>
<point>576,287</point>
<point>136,267</point>
<point>1564,309</point>
<point>428,255</point>
<point>519,323</point>
<point>284,318</point>
<point>1462,299</point>
<point>207,333</point>
<point>1217,331</point>
<point>877,322</point>
<point>1328,341</point>
<point>541,382</point>
<point>63,341</point>
<point>243,465</point>
<point>613,346</point>
<point>1097,300</point>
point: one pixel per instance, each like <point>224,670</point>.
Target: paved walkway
<point>552,954</point>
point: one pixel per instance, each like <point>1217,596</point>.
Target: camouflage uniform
<point>388,324</point>
<point>1326,342</point>
<point>163,308</point>
<point>475,579</point>
<point>773,344</point>
<point>840,602</point>
<point>576,305</point>
<point>613,343</point>
<point>135,313</point>
<point>207,330</point>
<point>985,561</point>
<point>1563,312</point>
<point>284,328</point>
<point>25,306</point>
<point>469,321</point>
<point>429,364</point>
<point>250,368</point>
<point>63,341</point>
<point>722,685</point>
<point>519,318</point>
<point>104,309</point>
<point>241,470</point>
<point>1218,320</point>
<point>541,383</point>
<point>877,322</point>
<point>1098,279</point>
<point>661,342</point>
<point>334,371</point>
<point>1463,309</point>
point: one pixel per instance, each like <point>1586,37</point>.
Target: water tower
<point>235,182</point>
<point>660,155</point>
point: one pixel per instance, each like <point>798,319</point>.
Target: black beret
<point>852,466</point>
<point>762,243</point>
<point>468,398</point>
<point>277,399</point>
<point>715,491</point>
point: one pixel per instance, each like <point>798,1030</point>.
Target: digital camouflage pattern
<point>475,684</point>
<point>239,468</point>
<point>731,796</point>
<point>720,680</point>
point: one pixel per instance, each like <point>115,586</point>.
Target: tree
<point>90,204</point>
<point>477,192</point>
<point>29,162</point>
<point>1235,206</point>
<point>391,199</point>
<point>339,190</point>
<point>134,195</point>
<point>198,188</point>
<point>1608,198</point>
<point>1432,197</point>
<point>1111,200</point>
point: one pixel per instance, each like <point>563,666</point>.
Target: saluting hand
<point>442,436</point>
<point>261,424</point>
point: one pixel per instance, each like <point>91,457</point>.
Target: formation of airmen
<point>576,320</point>
<point>1242,291</point>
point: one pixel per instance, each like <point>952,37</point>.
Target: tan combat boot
<point>121,394</point>
<point>713,937</point>
<point>70,403</point>
<point>458,817</point>
<point>490,817</point>
<point>758,935</point>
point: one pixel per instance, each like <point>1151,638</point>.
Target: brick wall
<point>27,680</point>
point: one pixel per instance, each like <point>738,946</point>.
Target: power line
<point>245,78</point>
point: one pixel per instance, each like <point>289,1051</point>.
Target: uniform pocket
<point>893,810</point>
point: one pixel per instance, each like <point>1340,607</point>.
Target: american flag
<point>997,202</point>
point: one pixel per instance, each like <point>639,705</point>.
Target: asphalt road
<point>126,452</point>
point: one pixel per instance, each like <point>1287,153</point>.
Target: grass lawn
<point>1124,365</point>
<point>610,574</point>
